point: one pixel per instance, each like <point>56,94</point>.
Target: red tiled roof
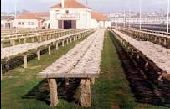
<point>98,16</point>
<point>70,4</point>
<point>7,17</point>
<point>33,15</point>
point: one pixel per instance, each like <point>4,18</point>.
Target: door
<point>73,24</point>
<point>67,24</point>
<point>60,24</point>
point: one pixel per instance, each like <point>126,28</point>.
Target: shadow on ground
<point>142,88</point>
<point>68,92</point>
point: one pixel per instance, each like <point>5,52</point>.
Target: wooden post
<point>32,39</point>
<point>93,80</point>
<point>85,91</point>
<point>2,44</point>
<point>49,50</point>
<point>66,81</point>
<point>13,42</point>
<point>38,54</point>
<point>63,42</point>
<point>67,41</point>
<point>40,38</point>
<point>19,40</point>
<point>75,38</point>
<point>53,92</point>
<point>25,61</point>
<point>56,45</point>
<point>1,72</point>
<point>25,40</point>
<point>47,36</point>
<point>70,39</point>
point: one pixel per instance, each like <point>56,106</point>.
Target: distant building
<point>7,22</point>
<point>134,18</point>
<point>31,20</point>
<point>72,14</point>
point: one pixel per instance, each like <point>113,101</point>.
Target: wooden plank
<point>68,75</point>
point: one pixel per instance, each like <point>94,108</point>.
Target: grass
<point>110,91</point>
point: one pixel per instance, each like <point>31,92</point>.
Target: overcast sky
<point>100,5</point>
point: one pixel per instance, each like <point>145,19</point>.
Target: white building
<point>31,20</point>
<point>7,22</point>
<point>72,14</point>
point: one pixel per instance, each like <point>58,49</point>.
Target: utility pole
<point>140,5</point>
<point>86,16</point>
<point>129,18</point>
<point>124,18</point>
<point>15,14</point>
<point>168,17</point>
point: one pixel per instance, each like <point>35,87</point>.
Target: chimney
<point>62,3</point>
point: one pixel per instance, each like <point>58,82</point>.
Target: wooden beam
<point>53,92</point>
<point>85,91</point>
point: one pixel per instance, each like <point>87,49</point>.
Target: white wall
<point>26,23</point>
<point>107,24</point>
<point>94,23</point>
<point>4,22</point>
<point>84,20</point>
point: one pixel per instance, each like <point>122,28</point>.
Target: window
<point>67,11</point>
<point>22,23</point>
<point>30,23</point>
<point>19,23</point>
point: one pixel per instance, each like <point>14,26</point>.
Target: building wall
<point>26,23</point>
<point>82,22</point>
<point>94,23</point>
<point>5,24</point>
<point>152,20</point>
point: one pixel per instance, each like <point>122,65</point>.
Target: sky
<point>106,6</point>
